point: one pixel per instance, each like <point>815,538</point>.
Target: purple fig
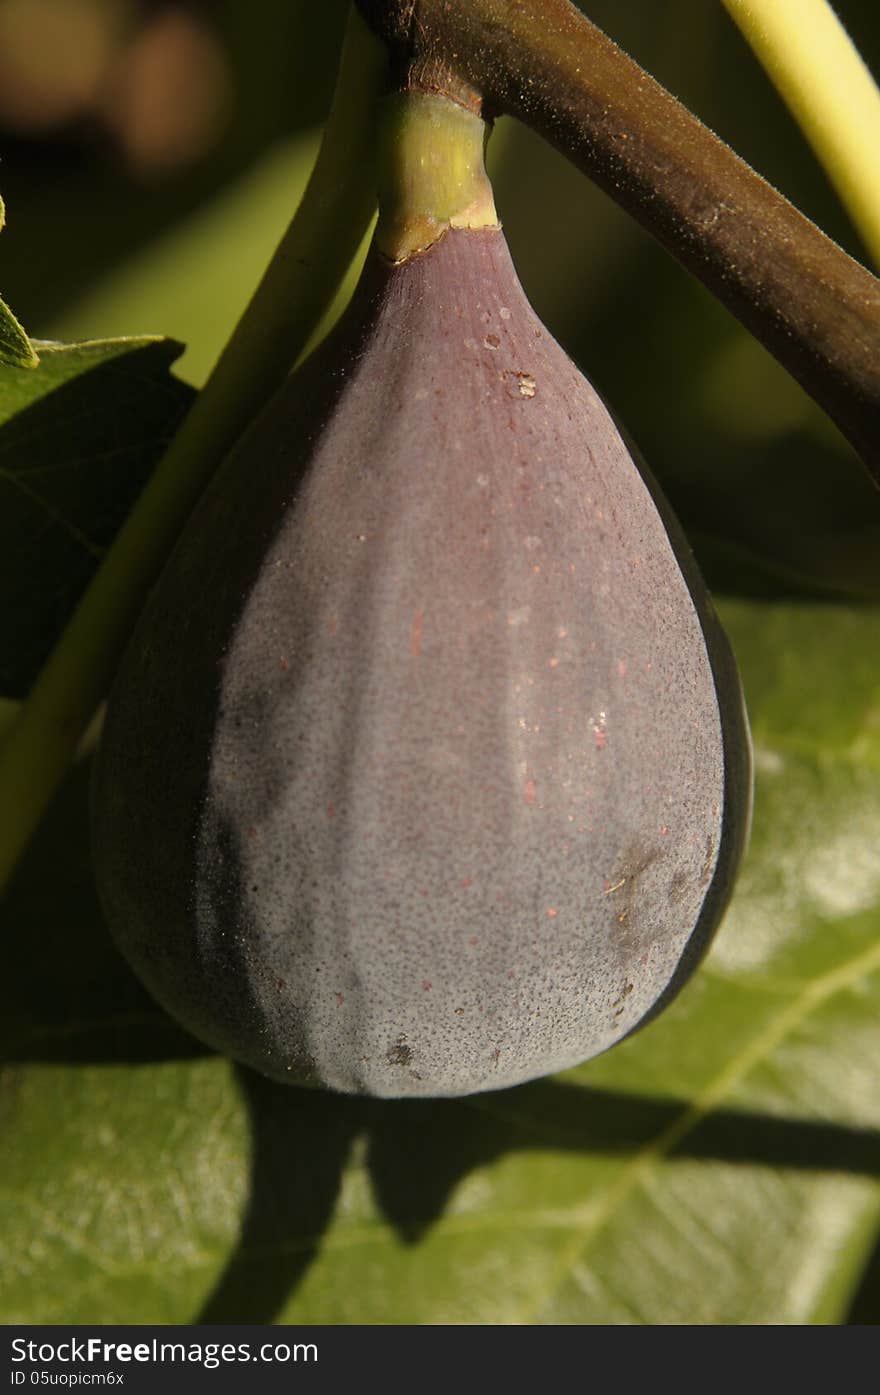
<point>426,770</point>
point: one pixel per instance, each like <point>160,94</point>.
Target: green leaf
<point>15,347</point>
<point>79,436</point>
<point>719,1167</point>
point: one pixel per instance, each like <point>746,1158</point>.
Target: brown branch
<point>815,308</point>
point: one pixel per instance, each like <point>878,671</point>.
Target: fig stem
<point>298,284</point>
<point>432,174</point>
<point>829,90</point>
<point>814,307</point>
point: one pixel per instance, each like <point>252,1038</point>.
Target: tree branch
<point>815,308</point>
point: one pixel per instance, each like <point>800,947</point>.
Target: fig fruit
<point>426,770</point>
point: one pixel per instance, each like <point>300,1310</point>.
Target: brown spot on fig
<point>399,1054</point>
<point>678,885</point>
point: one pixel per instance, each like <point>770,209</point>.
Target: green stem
<point>299,283</point>
<point>820,75</point>
<point>432,174</point>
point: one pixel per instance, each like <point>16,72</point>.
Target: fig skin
<point>426,770</point>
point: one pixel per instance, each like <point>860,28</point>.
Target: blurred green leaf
<point>195,281</point>
<point>79,436</point>
<point>719,1167</point>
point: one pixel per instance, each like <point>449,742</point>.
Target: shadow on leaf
<point>864,1308</point>
<point>300,1141</point>
<point>419,1151</point>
